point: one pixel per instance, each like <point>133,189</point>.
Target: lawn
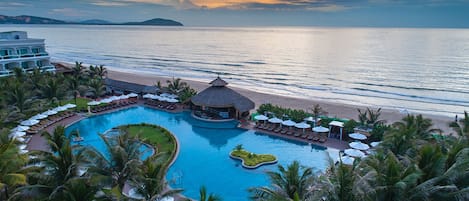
<point>154,135</point>
<point>252,160</point>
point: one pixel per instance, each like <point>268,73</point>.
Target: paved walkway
<point>38,142</point>
<point>331,142</point>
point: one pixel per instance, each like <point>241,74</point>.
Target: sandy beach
<point>333,109</point>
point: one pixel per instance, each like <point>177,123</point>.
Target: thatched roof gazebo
<point>221,102</point>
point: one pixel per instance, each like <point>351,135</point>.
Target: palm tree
<point>100,71</point>
<point>151,183</point>
<point>420,125</point>
<point>35,79</point>
<point>17,95</point>
<point>317,110</point>
<point>75,88</point>
<point>388,179</point>
<point>210,197</point>
<point>337,184</point>
<point>11,164</point>
<point>370,118</point>
<point>287,184</point>
<point>175,86</point>
<point>120,166</point>
<point>186,94</point>
<point>96,87</point>
<point>462,127</point>
<point>52,89</point>
<point>78,69</point>
<point>77,188</point>
<point>19,73</point>
<point>60,167</point>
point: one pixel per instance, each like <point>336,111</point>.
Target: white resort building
<point>19,51</point>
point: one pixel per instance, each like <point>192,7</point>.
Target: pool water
<point>204,150</point>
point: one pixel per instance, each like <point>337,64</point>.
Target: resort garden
<point>411,162</point>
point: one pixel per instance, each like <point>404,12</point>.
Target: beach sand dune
<point>333,109</point>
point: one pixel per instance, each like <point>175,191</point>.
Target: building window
<point>22,51</point>
<point>39,63</point>
<point>4,52</point>
<point>24,65</point>
<point>36,50</point>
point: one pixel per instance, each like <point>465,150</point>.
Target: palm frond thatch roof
<point>220,96</point>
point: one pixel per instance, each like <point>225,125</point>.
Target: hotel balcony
<point>27,55</point>
<point>27,67</point>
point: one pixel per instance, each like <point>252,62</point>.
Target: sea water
<point>421,70</point>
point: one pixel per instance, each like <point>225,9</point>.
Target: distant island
<point>26,19</point>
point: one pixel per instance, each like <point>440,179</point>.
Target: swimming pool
<point>204,150</point>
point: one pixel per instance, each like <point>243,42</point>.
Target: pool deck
<point>330,142</point>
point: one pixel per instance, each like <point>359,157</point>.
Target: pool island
<point>251,160</point>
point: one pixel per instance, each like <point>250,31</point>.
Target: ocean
<point>415,70</point>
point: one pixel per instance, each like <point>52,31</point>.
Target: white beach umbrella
<point>165,95</point>
<point>275,120</point>
<point>22,146</point>
<point>49,112</point>
<point>347,160</point>
<point>354,153</point>
<point>39,116</point>
<point>20,139</point>
<point>23,151</point>
<point>172,100</point>
<point>121,97</point>
<point>29,122</point>
<point>132,95</point>
<point>107,100</point>
<point>156,97</point>
<point>20,128</point>
<point>17,134</point>
<point>359,145</point>
<point>357,136</point>
<point>374,144</point>
<point>311,119</point>
<point>60,109</point>
<point>94,103</point>
<point>288,123</point>
<point>165,99</point>
<point>147,96</point>
<point>261,117</point>
<point>133,193</point>
<point>167,198</point>
<point>69,105</point>
<point>302,125</point>
<point>320,129</point>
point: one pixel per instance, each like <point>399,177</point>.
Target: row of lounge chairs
<point>161,105</point>
<point>44,123</point>
<point>111,106</point>
<point>290,132</point>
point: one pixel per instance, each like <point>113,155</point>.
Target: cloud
<point>12,5</point>
<point>306,5</point>
<point>70,12</point>
<point>180,4</point>
<point>109,3</point>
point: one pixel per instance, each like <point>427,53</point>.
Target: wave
<point>410,88</point>
<point>409,97</point>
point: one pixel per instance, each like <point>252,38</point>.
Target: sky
<point>348,13</point>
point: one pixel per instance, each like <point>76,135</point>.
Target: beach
<point>348,111</point>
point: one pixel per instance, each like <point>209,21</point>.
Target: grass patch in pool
<point>154,135</point>
<point>252,160</point>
